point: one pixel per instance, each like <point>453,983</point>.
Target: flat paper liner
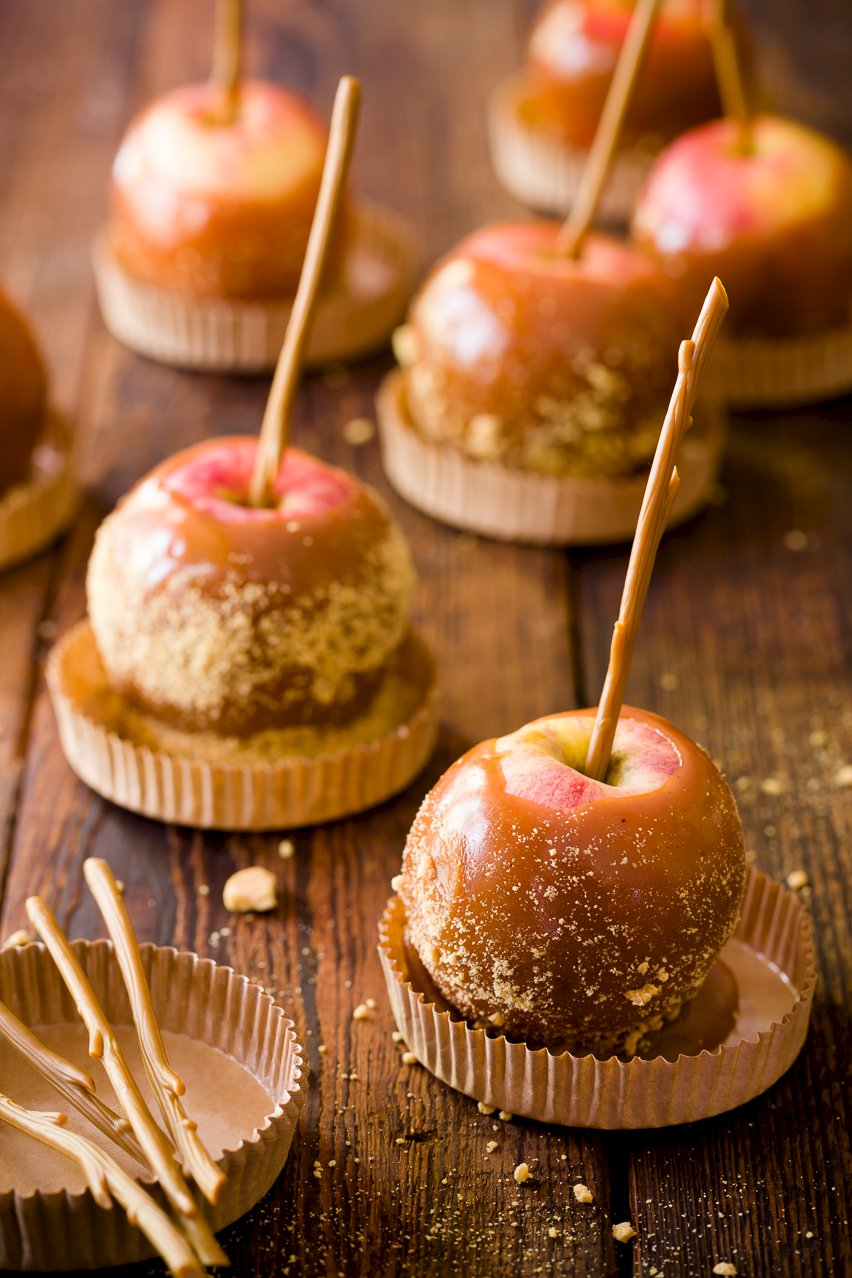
<point>290,792</point>
<point>758,373</point>
<point>34,513</point>
<point>512,505</point>
<point>543,171</point>
<point>245,337</point>
<point>194,997</point>
<point>585,1092</point>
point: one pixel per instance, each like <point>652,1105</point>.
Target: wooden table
<point>742,646</point>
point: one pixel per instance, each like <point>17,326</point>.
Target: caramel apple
<point>214,203</point>
<point>214,614</point>
<point>517,352</point>
<point>567,911</point>
<point>773,214</point>
<point>23,394</point>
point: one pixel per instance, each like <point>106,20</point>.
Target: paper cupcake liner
<point>286,792</point>
<point>193,997</point>
<point>513,505</point>
<point>583,1091</point>
<point>543,171</point>
<point>758,373</point>
<point>33,514</point>
<point>218,335</point>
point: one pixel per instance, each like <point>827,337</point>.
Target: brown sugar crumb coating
<point>570,912</point>
<point>540,362</point>
<point>23,394</point>
<point>218,617</point>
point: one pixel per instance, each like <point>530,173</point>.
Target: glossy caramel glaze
<point>23,394</point>
<point>775,224</point>
<point>571,56</point>
<point>219,209</point>
<point>582,926</point>
<point>541,362</point>
<point>216,616</point>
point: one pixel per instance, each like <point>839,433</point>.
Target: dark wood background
<point>744,647</point>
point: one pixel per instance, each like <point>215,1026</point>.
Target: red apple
<point>572,53</point>
<point>214,207</point>
<point>212,614</point>
<point>568,911</point>
<point>23,394</point>
<point>775,222</point>
<point>543,362</point>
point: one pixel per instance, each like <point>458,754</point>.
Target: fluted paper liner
<point>543,171</point>
<point>760,373</point>
<point>494,500</point>
<point>192,997</point>
<point>34,513</point>
<point>355,316</point>
<point>586,1092</point>
<point>277,793</point>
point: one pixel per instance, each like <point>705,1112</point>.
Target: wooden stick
<point>279,407</point>
<point>657,503</point>
<point>729,74</point>
<point>103,1045</point>
<point>73,1084</point>
<point>104,1176</point>
<point>597,168</point>
<point>228,57</point>
<point>166,1085</point>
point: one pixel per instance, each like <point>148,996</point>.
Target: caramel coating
<point>216,616</point>
<point>583,921</point>
<point>23,394</point>
<point>541,362</point>
<point>209,208</point>
<point>571,56</point>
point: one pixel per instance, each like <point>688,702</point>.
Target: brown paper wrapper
<point>192,997</point>
<point>263,784</point>
<point>218,335</point>
<point>33,514</point>
<point>512,505</point>
<point>771,961</point>
<point>543,171</point>
<point>758,373</point>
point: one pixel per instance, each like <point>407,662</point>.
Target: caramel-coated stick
<point>104,1177</point>
<point>228,56</point>
<point>657,503</point>
<point>597,168</point>
<point>166,1085</point>
<point>103,1045</point>
<point>279,407</point>
<point>729,72</point>
<point>73,1084</point>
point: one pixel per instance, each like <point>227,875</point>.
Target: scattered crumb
<point>725,1267</point>
<point>204,889</point>
<point>522,1173</point>
<point>16,938</point>
<point>363,1012</point>
<point>794,540</point>
<point>773,785</point>
<point>668,681</point>
<point>623,1232</point>
<point>505,1116</point>
<point>485,1109</point>
<point>322,1049</point>
<point>408,1058</point>
<point>809,1234</point>
<point>359,431</point>
<point>797,879</point>
<point>286,849</point>
<point>119,883</point>
<point>396,882</point>
<point>750,856</point>
<point>249,889</point>
<point>843,776</point>
<point>490,1147</point>
<point>397,1037</point>
<point>742,784</point>
<point>582,1193</point>
<point>553,1232</point>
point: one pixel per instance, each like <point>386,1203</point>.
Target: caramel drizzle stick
<point>104,1177</point>
<point>660,492</point>
<point>166,1085</point>
<point>597,168</point>
<point>103,1045</point>
<point>73,1084</point>
<point>275,429</point>
<point>228,56</point>
<point>729,73</point>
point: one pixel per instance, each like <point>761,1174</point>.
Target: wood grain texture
<point>742,646</point>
